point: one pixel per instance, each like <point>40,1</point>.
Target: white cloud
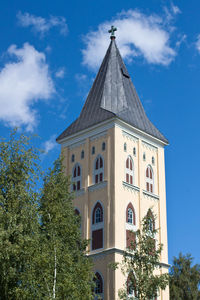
<point>80,77</point>
<point>50,144</point>
<point>42,25</point>
<point>198,43</point>
<point>60,73</point>
<point>175,9</point>
<point>23,82</point>
<point>137,35</point>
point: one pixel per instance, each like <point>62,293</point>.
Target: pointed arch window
<point>151,220</point>
<point>98,286</point>
<point>130,214</point>
<point>77,212</point>
<point>149,180</point>
<point>98,169</point>
<point>129,170</point>
<point>76,177</point>
<point>97,227</point>
<point>131,285</point>
<point>130,226</point>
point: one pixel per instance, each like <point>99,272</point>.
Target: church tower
<point>115,157</point>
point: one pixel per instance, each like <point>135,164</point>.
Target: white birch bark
<point>55,273</point>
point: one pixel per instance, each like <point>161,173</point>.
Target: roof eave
<point>104,123</point>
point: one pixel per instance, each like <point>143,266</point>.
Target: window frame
<point>130,284</point>
<point>99,172</point>
<point>101,295</point>
<point>95,226</point>
<point>128,172</point>
<point>149,182</point>
<point>130,227</point>
<point>82,154</point>
<point>76,180</point>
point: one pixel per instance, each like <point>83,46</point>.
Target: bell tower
<point>115,157</point>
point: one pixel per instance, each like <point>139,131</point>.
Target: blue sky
<point>50,52</point>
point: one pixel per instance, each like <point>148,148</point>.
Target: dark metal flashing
<point>113,95</point>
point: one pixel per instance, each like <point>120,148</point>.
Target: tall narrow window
<point>129,170</point>
<point>149,180</point>
<point>130,216</point>
<point>130,226</point>
<point>97,227</point>
<point>103,146</point>
<point>98,286</point>
<point>125,147</point>
<point>131,286</point>
<point>82,154</point>
<point>76,177</point>
<point>151,220</point>
<point>93,150</point>
<point>98,169</point>
<point>134,151</point>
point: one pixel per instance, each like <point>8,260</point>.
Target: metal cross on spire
<point>112,31</point>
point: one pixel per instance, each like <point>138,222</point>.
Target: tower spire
<point>113,95</point>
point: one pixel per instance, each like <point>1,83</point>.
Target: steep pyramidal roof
<point>113,95</point>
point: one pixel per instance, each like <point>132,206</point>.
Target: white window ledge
<point>130,227</point>
<point>97,186</point>
<point>131,186</point>
<point>151,195</point>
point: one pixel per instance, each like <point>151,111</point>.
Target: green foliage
<point>184,279</point>
<point>140,263</point>
<point>61,248</point>
<point>42,255</point>
<point>18,212</point>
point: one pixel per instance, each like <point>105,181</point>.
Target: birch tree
<point>42,255</point>
<point>65,271</point>
<point>140,262</point>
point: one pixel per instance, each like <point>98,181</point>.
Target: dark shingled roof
<point>113,95</point>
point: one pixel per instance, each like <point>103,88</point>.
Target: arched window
<point>76,177</point>
<point>151,220</point>
<point>149,179</point>
<point>97,215</point>
<point>130,226</point>
<point>98,169</point>
<point>131,285</point>
<point>130,214</point>
<point>98,286</point>
<point>129,170</point>
<point>77,212</point>
<point>97,227</point>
